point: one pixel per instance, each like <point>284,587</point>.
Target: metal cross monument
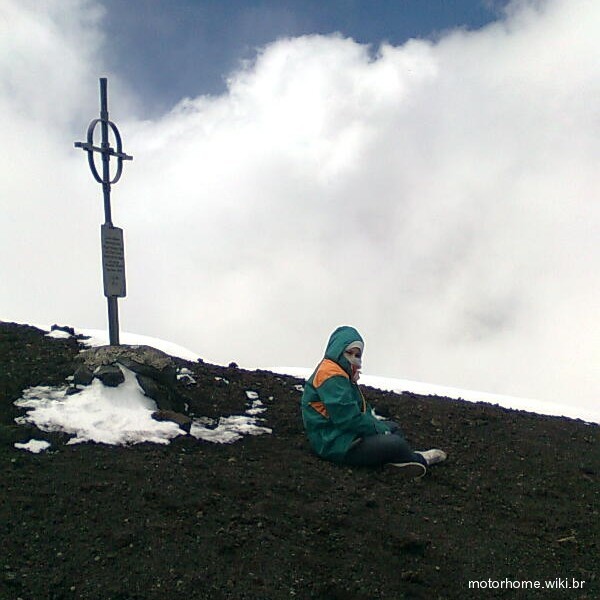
<point>113,250</point>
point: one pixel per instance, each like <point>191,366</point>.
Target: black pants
<point>379,449</point>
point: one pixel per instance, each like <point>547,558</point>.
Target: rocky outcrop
<point>155,371</point>
<point>142,360</point>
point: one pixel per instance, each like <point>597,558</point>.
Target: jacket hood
<point>338,342</point>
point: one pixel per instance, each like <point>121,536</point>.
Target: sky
<point>425,172</point>
<point>207,40</point>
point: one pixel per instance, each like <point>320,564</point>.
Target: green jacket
<point>334,412</point>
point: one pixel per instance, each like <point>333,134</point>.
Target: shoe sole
<point>413,470</point>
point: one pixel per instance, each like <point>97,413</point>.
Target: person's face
<point>355,352</point>
<point>354,357</point>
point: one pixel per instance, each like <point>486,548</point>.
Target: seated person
<point>340,424</point>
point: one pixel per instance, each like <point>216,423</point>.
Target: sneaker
<point>413,470</point>
<point>433,456</point>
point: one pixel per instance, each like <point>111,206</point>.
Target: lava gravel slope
<point>517,500</point>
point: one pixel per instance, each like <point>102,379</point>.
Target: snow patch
<point>120,415</point>
<point>35,446</point>
<point>58,334</point>
<point>226,430</point>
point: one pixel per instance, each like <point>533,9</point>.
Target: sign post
<point>113,249</point>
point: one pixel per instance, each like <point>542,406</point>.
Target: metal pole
<point>111,301</point>
<point>113,320</point>
<point>113,260</point>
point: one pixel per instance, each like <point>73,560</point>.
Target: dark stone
<point>71,391</point>
<point>186,380</point>
<point>384,410</point>
<point>68,330</point>
<point>83,376</point>
<point>110,375</point>
<point>156,391</point>
<point>165,374</point>
<point>183,421</point>
<point>166,397</point>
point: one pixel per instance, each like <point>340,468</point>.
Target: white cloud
<point>440,196</point>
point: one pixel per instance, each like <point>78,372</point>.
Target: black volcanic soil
<point>517,500</point>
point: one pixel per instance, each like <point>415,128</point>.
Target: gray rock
<point>183,421</point>
<point>83,376</point>
<point>110,375</point>
<point>165,373</point>
<point>166,397</point>
<point>154,390</point>
<point>143,360</point>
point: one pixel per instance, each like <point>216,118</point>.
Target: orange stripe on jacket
<point>326,370</point>
<point>320,408</point>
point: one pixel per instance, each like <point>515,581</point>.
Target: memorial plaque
<point>113,261</point>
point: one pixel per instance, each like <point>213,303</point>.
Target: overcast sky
<point>424,171</point>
